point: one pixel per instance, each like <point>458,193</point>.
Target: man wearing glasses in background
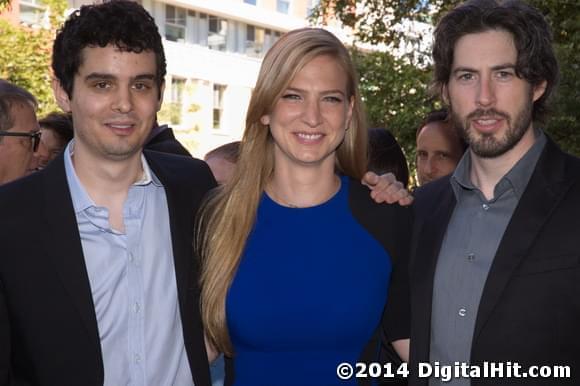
<point>19,132</point>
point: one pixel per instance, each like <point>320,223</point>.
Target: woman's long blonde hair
<point>228,216</point>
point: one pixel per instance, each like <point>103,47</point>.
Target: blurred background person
<point>386,155</point>
<point>57,131</point>
<point>439,147</point>
<point>222,161</point>
<point>19,132</point>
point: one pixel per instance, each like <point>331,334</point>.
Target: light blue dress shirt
<point>132,278</point>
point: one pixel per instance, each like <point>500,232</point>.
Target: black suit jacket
<point>48,327</point>
<point>530,306</point>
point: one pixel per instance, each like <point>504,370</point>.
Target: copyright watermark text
<point>448,372</point>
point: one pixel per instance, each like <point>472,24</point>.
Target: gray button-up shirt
<point>473,235</point>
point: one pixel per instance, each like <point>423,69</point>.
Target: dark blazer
<point>530,306</point>
<point>166,142</point>
<point>48,327</point>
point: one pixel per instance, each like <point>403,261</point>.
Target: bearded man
<point>495,269</point>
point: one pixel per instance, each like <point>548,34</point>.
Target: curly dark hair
<point>536,61</point>
<point>126,24</point>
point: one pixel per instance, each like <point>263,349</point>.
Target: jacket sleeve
<point>397,316</point>
<point>392,226</point>
<point>6,376</point>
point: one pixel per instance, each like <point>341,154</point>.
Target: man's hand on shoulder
<point>386,188</point>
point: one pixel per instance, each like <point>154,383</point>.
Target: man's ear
<point>539,90</point>
<point>161,92</point>
<point>61,96</point>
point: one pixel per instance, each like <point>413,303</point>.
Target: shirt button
<point>471,257</point>
<point>136,307</point>
<point>137,358</point>
<point>462,312</point>
<point>485,207</point>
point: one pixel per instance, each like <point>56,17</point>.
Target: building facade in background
<point>214,50</point>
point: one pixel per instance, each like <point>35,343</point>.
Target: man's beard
<point>486,145</point>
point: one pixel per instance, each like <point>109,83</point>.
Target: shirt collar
<point>517,177</point>
<point>79,195</point>
<point>148,176</point>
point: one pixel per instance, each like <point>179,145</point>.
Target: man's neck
<point>107,182</point>
<point>485,173</point>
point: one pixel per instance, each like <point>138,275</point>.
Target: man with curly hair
<point>98,284</point>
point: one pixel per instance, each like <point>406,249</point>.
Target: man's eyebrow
<point>464,69</point>
<point>145,77</point>
<point>100,76</point>
<point>505,66</point>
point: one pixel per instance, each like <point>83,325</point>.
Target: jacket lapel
<point>180,222</point>
<point>546,188</point>
<point>63,244</point>
<point>180,202</point>
<point>427,243</point>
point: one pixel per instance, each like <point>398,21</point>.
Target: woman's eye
<point>291,96</point>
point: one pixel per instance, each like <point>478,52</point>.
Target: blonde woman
<point>296,257</point>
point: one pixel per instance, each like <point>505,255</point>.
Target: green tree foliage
<point>564,123</point>
<point>4,4</point>
<point>375,21</point>
<point>386,81</point>
<point>25,61</point>
<point>395,94</point>
<point>25,56</point>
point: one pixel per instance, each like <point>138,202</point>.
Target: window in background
<point>175,105</point>
<point>218,105</point>
<point>254,40</point>
<point>252,2</point>
<point>175,23</point>
<point>283,6</point>
<point>201,28</point>
<point>217,33</point>
<point>177,87</point>
<point>32,12</point>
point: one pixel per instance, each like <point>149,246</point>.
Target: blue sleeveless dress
<point>308,295</point>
